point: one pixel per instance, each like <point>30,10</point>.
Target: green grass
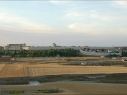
<point>16,92</point>
<point>49,91</point>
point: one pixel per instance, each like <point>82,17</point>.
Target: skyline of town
<point>56,45</point>
<point>60,45</point>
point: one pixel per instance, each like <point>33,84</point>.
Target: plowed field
<point>13,70</point>
<point>52,66</point>
<point>22,70</point>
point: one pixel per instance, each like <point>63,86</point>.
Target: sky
<point>66,23</point>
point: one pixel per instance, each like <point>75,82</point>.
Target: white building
<point>49,47</point>
<point>114,58</point>
<point>99,48</point>
<point>124,59</point>
<point>54,45</point>
<point>97,53</point>
<point>24,47</point>
<point>14,46</point>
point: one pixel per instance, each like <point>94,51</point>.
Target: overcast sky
<point>66,23</point>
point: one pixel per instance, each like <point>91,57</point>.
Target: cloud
<point>97,29</point>
<point>123,3</point>
<point>101,16</point>
<point>17,23</point>
<point>55,2</point>
<point>97,34</point>
<point>88,14</point>
<point>90,29</point>
<point>73,14</point>
<point>58,1</point>
<point>120,4</point>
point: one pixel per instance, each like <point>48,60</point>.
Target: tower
<point>54,45</point>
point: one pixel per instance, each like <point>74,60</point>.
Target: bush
<point>49,91</point>
<point>16,92</point>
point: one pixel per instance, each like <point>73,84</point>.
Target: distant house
<point>102,56</point>
<point>89,63</point>
<point>84,63</point>
<point>1,48</point>
<point>124,59</point>
<point>114,58</point>
<point>5,58</point>
<point>124,50</point>
<point>110,50</point>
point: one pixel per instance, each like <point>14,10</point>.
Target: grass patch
<point>50,91</point>
<point>16,92</point>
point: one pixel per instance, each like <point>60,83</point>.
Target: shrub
<point>16,92</point>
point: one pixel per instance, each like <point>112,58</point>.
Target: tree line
<point>124,54</point>
<point>42,53</point>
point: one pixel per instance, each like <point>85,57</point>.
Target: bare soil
<point>75,88</point>
<point>25,67</point>
<point>33,67</point>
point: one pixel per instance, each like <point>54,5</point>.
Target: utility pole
<point>1,87</point>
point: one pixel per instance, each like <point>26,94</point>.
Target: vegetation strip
<point>100,78</point>
<point>33,91</point>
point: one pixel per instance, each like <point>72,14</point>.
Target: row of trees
<point>49,53</point>
<point>42,53</point>
<point>124,54</point>
<point>112,55</point>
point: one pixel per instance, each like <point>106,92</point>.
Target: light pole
<point>1,87</point>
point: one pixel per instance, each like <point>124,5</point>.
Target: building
<point>24,47</point>
<point>54,45</point>
<point>89,53</point>
<point>102,56</point>
<point>14,46</point>
<point>5,58</point>
<point>49,48</point>
<point>88,63</point>
<point>114,58</point>
<point>124,59</point>
<point>99,48</point>
<point>1,48</point>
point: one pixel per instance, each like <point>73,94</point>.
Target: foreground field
<point>76,88</point>
<point>25,67</point>
<point>23,70</point>
<point>35,69</point>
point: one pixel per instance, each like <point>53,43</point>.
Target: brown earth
<point>52,66</point>
<point>23,67</point>
<point>76,88</point>
<point>22,70</point>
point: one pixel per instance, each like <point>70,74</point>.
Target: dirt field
<point>30,67</point>
<point>54,69</point>
<point>21,70</point>
<point>76,88</point>
<point>53,59</point>
<point>51,66</point>
<point>13,70</point>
